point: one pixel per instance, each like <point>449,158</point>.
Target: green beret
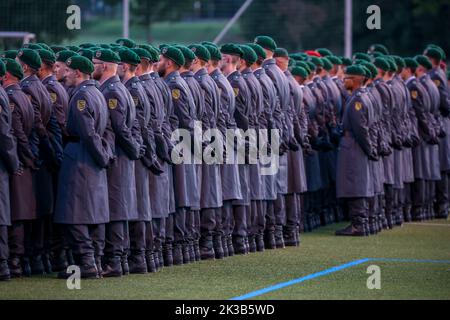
<point>280,53</point>
<point>303,65</point>
<point>33,46</point>
<point>291,63</point>
<point>266,42</point>
<point>399,62</point>
<point>258,50</point>
<point>173,54</point>
<point>57,49</point>
<point>355,70</point>
<point>214,52</point>
<point>128,56</point>
<point>104,46</point>
<point>433,53</point>
<point>379,48</point>
<point>154,52</point>
<point>200,51</point>
<point>88,53</point>
<point>443,55</point>
<point>113,45</point>
<point>334,60</point>
<point>372,69</point>
<point>424,62</point>
<point>30,57</point>
<point>231,49</point>
<point>126,42</point>
<point>411,63</point>
<point>327,65</point>
<point>162,46</point>
<point>361,56</point>
<point>317,61</point>
<point>87,45</point>
<point>377,54</point>
<point>392,65</point>
<point>13,67</point>
<point>12,54</point>
<point>324,52</point>
<point>44,46</point>
<point>188,54</point>
<point>346,61</point>
<point>80,63</point>
<point>142,53</point>
<point>73,48</point>
<point>62,56</point>
<point>382,64</point>
<point>47,56</point>
<point>2,69</point>
<point>311,66</point>
<point>209,43</point>
<point>249,54</point>
<point>107,55</point>
<point>299,71</point>
<point>367,72</point>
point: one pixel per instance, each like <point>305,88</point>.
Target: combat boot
<point>279,237</point>
<point>270,242</point>
<point>197,253</point>
<point>207,248</point>
<point>251,244</point>
<point>88,268</point>
<point>137,264</point>
<point>15,267</point>
<point>152,264</point>
<point>47,263</point>
<point>191,248</point>
<point>239,245</point>
<point>259,242</point>
<point>351,230</point>
<point>289,239</point>
<point>217,245</point>
<point>26,268</point>
<point>177,254</point>
<point>59,261</point>
<point>112,268</point>
<point>98,263</point>
<point>230,246</point>
<point>186,253</point>
<point>407,213</point>
<point>372,226</point>
<point>125,265</point>
<point>4,271</point>
<point>37,266</point>
<point>168,255</point>
<point>224,246</point>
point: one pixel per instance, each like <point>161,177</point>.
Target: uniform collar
<point>110,81</point>
<point>410,79</point>
<point>201,72</point>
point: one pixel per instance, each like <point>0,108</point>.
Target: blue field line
<point>328,271</point>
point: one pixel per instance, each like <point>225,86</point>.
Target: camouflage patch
<point>358,106</point>
<point>112,104</point>
<point>414,94</point>
<point>236,91</point>
<point>81,105</point>
<point>176,94</point>
<point>53,96</point>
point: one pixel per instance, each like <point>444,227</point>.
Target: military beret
<point>47,56</point>
<point>391,62</point>
<point>346,61</point>
<point>367,72</point>
<point>13,67</point>
<point>209,43</point>
<point>173,54</point>
<point>249,54</point>
<point>291,63</point>
<point>378,48</point>
<point>411,63</point>
<point>372,69</point>
<point>266,42</point>
<point>87,45</point>
<point>433,53</point>
<point>44,46</point>
<point>142,53</point>
<point>80,63</point>
<point>376,54</point>
<point>188,54</point>
<point>128,56</point>
<point>382,64</point>
<point>12,54</point>
<point>62,56</point>
<point>424,62</point>
<point>334,60</point>
<point>313,53</point>
<point>214,52</point>
<point>30,57</point>
<point>327,65</point>
<point>113,45</point>
<point>361,56</point>
<point>324,52</point>
<point>444,56</point>
<point>258,50</point>
<point>232,49</point>
<point>280,53</point>
<point>33,46</point>
<point>73,48</point>
<point>104,46</point>
<point>57,49</point>
<point>355,70</point>
<point>303,65</point>
<point>296,56</point>
<point>107,55</point>
<point>2,69</point>
<point>200,51</point>
<point>162,46</point>
<point>126,42</point>
<point>317,61</point>
<point>88,53</point>
<point>311,66</point>
<point>399,62</point>
<point>299,71</point>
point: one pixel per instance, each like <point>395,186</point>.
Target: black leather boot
<point>112,267</point>
<point>26,268</point>
<point>191,247</point>
<point>197,250</point>
<point>186,253</point>
<point>259,243</point>
<point>37,266</point>
<point>59,261</point>
<point>137,264</point>
<point>125,265</point>
<point>279,237</point>
<point>47,263</point>
<point>239,245</point>
<point>98,263</point>
<point>224,246</point>
<point>269,241</point>
<point>230,246</point>
<point>289,238</point>
<point>168,255</point>
<point>207,248</point>
<point>15,267</point>
<point>150,258</point>
<point>4,271</point>
<point>177,254</point>
<point>217,245</point>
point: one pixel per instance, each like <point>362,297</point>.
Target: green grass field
<point>320,250</point>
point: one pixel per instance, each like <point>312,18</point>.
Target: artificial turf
<point>319,250</point>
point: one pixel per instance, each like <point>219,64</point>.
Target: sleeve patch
<point>176,94</point>
<point>236,91</point>
<point>358,106</point>
<point>112,104</point>
<point>81,105</point>
<point>53,96</point>
<point>414,94</point>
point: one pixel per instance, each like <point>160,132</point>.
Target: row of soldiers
<point>86,169</point>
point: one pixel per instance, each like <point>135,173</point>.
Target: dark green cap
<point>154,52</point>
<point>377,54</point>
<point>30,57</point>
<point>107,55</point>
<point>324,52</point>
<point>209,43</point>
<point>312,66</point>
<point>249,54</point>
<point>214,52</point>
<point>444,56</point>
<point>104,46</point>
<point>411,63</point>
<point>2,69</point>
<point>266,42</point>
<point>33,46</point>
<point>87,45</point>
<point>47,56</point>
<point>355,70</point>
<point>399,62</point>
<point>188,54</point>
<point>231,49</point>
<point>424,62</point>
<point>280,53</point>
<point>361,56</point>
<point>258,50</point>
<point>346,61</point>
<point>44,46</point>
<point>433,53</point>
<point>57,49</point>
<point>392,65</point>
<point>142,53</point>
<point>317,61</point>
<point>73,48</point>
<point>13,67</point>
<point>200,51</point>
<point>372,69</point>
<point>299,71</point>
<point>334,60</point>
<point>80,63</point>
<point>379,48</point>
<point>367,72</point>
<point>128,56</point>
<point>88,53</point>
<point>12,54</point>
<point>291,63</point>
<point>62,56</point>
<point>303,65</point>
<point>173,54</point>
<point>126,42</point>
<point>327,65</point>
<point>382,64</point>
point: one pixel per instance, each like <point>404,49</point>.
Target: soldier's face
<point>99,67</point>
<point>162,66</point>
<point>59,70</point>
<point>70,77</point>
<point>349,82</point>
<point>121,69</point>
<point>282,62</point>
